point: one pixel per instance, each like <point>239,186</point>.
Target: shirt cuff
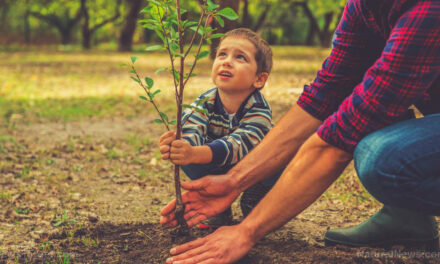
<point>332,133</point>
<point>219,152</point>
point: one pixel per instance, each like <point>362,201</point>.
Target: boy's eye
<point>241,57</point>
<point>221,54</point>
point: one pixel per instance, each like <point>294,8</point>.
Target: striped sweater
<point>229,140</point>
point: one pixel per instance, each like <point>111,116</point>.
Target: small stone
<point>93,218</point>
<point>76,196</point>
<point>34,235</point>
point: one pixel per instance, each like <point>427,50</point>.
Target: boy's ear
<point>261,80</point>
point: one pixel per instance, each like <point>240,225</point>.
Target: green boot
<point>390,226</point>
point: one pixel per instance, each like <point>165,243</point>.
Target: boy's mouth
<point>225,74</point>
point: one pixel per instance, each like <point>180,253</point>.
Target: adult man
<point>386,57</point>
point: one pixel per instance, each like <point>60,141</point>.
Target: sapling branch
<point>150,97</point>
<point>169,52</point>
<point>198,52</point>
<point>195,33</point>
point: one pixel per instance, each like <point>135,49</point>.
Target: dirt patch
<point>149,243</point>
<point>91,192</point>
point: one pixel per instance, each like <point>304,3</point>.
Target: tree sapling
<point>165,19</point>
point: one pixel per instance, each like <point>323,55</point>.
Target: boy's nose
<point>226,62</point>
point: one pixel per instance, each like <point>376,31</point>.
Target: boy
<point>237,117</point>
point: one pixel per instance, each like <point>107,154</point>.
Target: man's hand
<point>204,198</point>
<point>226,245</point>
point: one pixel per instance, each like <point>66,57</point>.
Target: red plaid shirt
<point>385,58</point>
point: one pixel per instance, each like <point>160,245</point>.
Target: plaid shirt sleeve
<point>407,65</point>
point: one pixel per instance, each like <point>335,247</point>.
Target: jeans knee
<point>371,163</point>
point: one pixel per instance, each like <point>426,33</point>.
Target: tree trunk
<point>86,34</point>
<point>313,24</point>
<point>127,32</point>
<point>27,29</point>
<point>228,23</point>
<point>87,30</point>
<point>262,18</point>
<point>64,28</point>
<point>326,34</point>
<point>245,21</point>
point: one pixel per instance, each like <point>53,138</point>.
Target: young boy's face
<point>235,68</point>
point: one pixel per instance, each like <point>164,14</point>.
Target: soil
<point>91,192</point>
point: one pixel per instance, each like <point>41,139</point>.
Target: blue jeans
<point>197,171</point>
<point>400,164</point>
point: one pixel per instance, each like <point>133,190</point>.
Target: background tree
<point>98,19</point>
<point>127,32</point>
<point>62,15</point>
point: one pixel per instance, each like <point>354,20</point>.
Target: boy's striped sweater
<point>229,140</point>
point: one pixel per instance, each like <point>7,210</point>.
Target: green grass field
<point>66,86</point>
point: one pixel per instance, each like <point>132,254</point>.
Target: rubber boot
<point>389,227</point>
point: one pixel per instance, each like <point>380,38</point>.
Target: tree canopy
<point>87,22</point>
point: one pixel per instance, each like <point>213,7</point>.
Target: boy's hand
<point>182,153</point>
<point>165,144</point>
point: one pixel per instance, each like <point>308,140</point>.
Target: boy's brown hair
<point>263,56</point>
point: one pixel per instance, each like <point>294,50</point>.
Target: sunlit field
<point>67,86</point>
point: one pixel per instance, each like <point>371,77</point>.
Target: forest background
<point>113,24</point>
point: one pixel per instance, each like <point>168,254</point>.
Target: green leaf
<point>203,111</point>
<point>174,46</point>
<point>201,101</point>
<point>135,79</point>
<point>124,65</point>
<point>149,82</point>
<point>202,54</point>
<point>155,2</point>
<point>192,75</point>
<point>217,35</point>
<point>132,71</point>
<point>159,121</point>
<point>211,6</point>
<point>164,116</point>
<point>155,47</point>
<point>144,98</point>
<point>155,92</point>
<point>146,9</point>
<point>175,74</point>
<point>187,106</point>
<point>149,26</point>
<point>188,24</point>
<point>134,59</point>
<point>160,70</point>
<point>220,21</point>
<point>173,122</point>
<point>200,31</point>
<point>228,13</point>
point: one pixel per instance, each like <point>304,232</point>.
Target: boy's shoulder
<point>256,99</point>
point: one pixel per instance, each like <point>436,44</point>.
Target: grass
<point>51,86</point>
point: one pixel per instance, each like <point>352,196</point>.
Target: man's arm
<point>276,150</point>
<point>313,169</point>
<point>211,195</point>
